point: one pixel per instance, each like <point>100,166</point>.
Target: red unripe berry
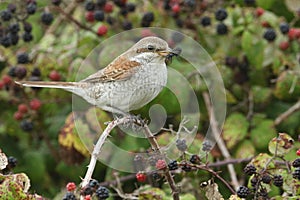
<point>141,177</point>
<point>1,84</point>
<point>294,33</point>
<point>89,16</point>
<point>71,186</point>
<point>18,115</point>
<point>259,12</point>
<point>87,197</point>
<point>176,8</point>
<point>35,104</point>
<point>102,30</point>
<point>284,45</point>
<point>108,7</point>
<point>23,108</point>
<point>265,24</point>
<point>54,75</point>
<point>298,152</point>
<point>160,164</point>
<point>6,79</point>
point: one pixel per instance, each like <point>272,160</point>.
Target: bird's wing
<point>120,69</point>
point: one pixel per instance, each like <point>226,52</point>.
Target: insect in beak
<point>172,52</point>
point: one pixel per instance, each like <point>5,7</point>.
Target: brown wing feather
<point>120,69</point>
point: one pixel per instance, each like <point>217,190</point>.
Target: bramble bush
<point>256,47</point>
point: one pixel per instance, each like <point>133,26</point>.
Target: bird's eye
<point>151,47</point>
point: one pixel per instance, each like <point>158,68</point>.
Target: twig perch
<point>287,113</point>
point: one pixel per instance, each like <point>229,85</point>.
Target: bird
<point>129,82</point>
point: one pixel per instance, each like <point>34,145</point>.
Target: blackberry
<point>130,7</point>
<point>87,190</point>
<point>186,168</point>
<point>89,6</point>
<point>27,37</point>
<point>47,18</point>
<point>266,178</point>
<point>181,144</point>
<point>190,3</point>
<point>284,28</point>
<point>100,3</point>
<point>27,27</point>
<point>270,34</point>
<point>177,37</point>
<point>36,72</point>
<point>222,29</point>
<point>296,173</point>
<point>179,22</point>
<point>278,180</point>
<point>5,41</point>
<point>99,15</point>
<point>26,125</point>
<point>145,24</point>
<point>173,165</point>
<point>148,17</point>
<point>110,20</point>
<point>243,192</point>
<point>263,193</point>
<point>93,183</point>
<point>156,176</point>
<point>195,159</point>
<point>123,11</point>
<point>31,8</point>
<point>127,25</point>
<point>14,38</point>
<point>56,2</point>
<point>205,21</point>
<point>206,146</point>
<point>6,15</point>
<point>20,72</point>
<point>102,193</point>
<point>249,2</point>
<point>250,170</point>
<point>12,162</point>
<point>12,71</point>
<point>14,28</point>
<point>12,7</point>
<point>254,181</point>
<point>120,3</point>
<point>231,61</point>
<point>296,162</point>
<point>166,5</point>
<point>221,14</point>
<point>69,196</point>
<point>23,58</point>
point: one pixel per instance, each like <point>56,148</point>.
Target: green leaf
<point>265,4</point>
<point>247,40</point>
<point>245,149</point>
<point>281,145</point>
<point>261,94</point>
<point>235,129</point>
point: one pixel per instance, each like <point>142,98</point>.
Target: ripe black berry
<point>93,183</point>
<point>6,15</point>
<point>254,181</point>
<point>12,71</point>
<point>250,169</point>
<point>148,17</point>
<point>20,72</point>
<point>23,58</point>
<point>5,41</point>
<point>27,37</point>
<point>173,165</point>
<point>36,72</point>
<point>166,5</point>
<point>87,190</point>
<point>186,168</point>
<point>127,25</point>
<point>181,144</point>
<point>47,18</point>
<point>296,162</point>
<point>31,8</point>
<point>205,21</point>
<point>270,34</point>
<point>222,29</point>
<point>12,7</point>
<point>26,125</point>
<point>263,193</point>
<point>190,3</point>
<point>278,180</point>
<point>156,176</point>
<point>284,28</point>
<point>221,14</point>
<point>123,11</point>
<point>243,192</point>
<point>27,27</point>
<point>14,38</point>
<point>69,196</point>
<point>266,178</point>
<point>231,61</point>
<point>99,15</point>
<point>195,159</point>
<point>100,3</point>
<point>110,20</point>
<point>249,2</point>
<point>179,22</point>
<point>206,146</point>
<point>102,193</point>
<point>119,3</point>
<point>56,2</point>
<point>296,173</point>
<point>12,162</point>
<point>130,7</point>
<point>89,6</point>
<point>14,28</point>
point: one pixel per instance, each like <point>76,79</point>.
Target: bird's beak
<point>170,52</point>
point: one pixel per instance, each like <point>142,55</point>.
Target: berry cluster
<point>11,164</point>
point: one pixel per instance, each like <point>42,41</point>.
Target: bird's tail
<point>69,86</point>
